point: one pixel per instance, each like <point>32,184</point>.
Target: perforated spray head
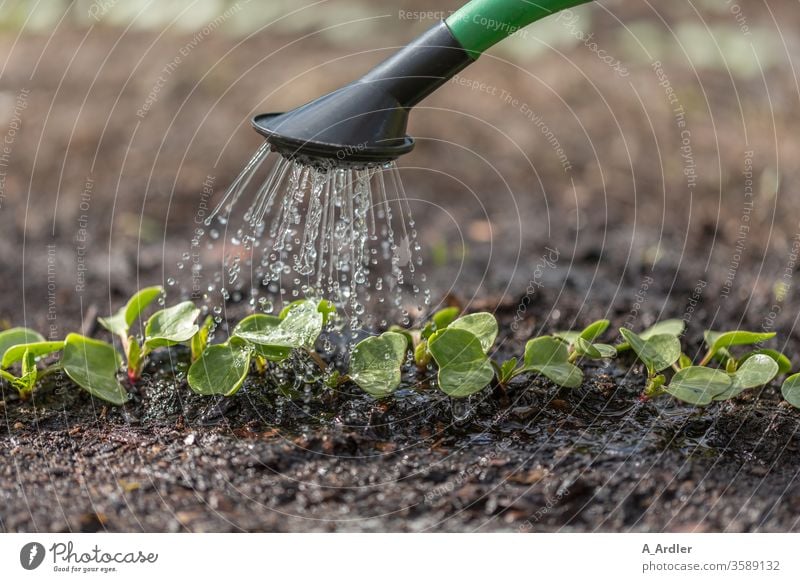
<point>364,123</point>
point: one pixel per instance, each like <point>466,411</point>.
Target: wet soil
<point>532,458</point>
<point>100,209</point>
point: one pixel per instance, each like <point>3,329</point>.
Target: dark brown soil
<point>634,245</point>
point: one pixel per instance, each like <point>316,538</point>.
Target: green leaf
<point>17,336</point>
<point>221,369</point>
<point>656,352</point>
<point>482,325</point>
<point>756,371</point>
<point>507,369</point>
<point>549,356</point>
<point>38,349</point>
<point>698,385</point>
<point>376,363</point>
<point>275,339</point>
<point>584,347</point>
<point>606,350</point>
<point>784,363</point>
<point>567,336</point>
<point>673,327</point>
<point>444,317</point>
<point>717,341</point>
<point>422,356</point>
<point>120,323</point>
<point>464,368</point>
<point>200,339</point>
<point>325,307</point>
<point>684,361</point>
<point>791,390</point>
<point>595,330</point>
<point>170,326</point>
<point>93,365</point>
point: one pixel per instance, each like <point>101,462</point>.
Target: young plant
<point>376,363</point>
<point>420,340</point>
<point>26,348</point>
<point>581,344</point>
<point>222,368</point>
<point>700,386</point>
<point>657,352</point>
<point>460,351</point>
<point>550,357</point>
<point>120,324</point>
<point>672,327</point>
<point>719,342</point>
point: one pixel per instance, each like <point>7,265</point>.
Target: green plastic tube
<point>483,23</point>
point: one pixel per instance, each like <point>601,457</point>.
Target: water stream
<point>284,230</point>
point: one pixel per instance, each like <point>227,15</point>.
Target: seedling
<point>719,342</point>
<point>550,357</point>
<point>464,367</point>
<point>222,368</point>
<point>25,347</point>
<point>672,327</point>
<point>165,328</point>
<point>657,352</point>
<point>376,363</point>
<point>419,340</point>
<point>581,344</point>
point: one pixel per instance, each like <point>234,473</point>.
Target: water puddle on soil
<point>283,231</point>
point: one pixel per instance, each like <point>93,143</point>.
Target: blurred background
<point>653,145</point>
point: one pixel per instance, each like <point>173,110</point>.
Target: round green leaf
<point>791,390</point>
<point>376,363</point>
<point>17,336</point>
<point>549,356</point>
<point>464,368</point>
<point>755,371</point>
<point>221,369</point>
<point>482,325</point>
<point>300,328</point>
<point>171,326</point>
<point>325,307</point>
<point>38,349</point>
<point>698,385</point>
<point>93,365</point>
<point>657,352</point>
<point>784,363</point>
<point>261,327</point>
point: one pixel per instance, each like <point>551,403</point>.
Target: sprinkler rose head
<point>364,123</point>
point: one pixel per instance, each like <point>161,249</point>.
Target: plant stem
<point>706,359</point>
<point>317,359</point>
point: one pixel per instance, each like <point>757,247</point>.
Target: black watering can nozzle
<point>364,123</point>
